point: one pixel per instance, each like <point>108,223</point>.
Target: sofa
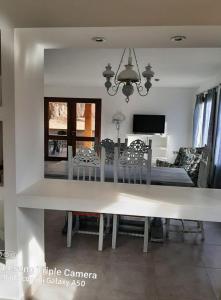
<point>187,158</point>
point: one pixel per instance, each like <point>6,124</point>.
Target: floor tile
<point>211,256</point>
<point>183,283</point>
<point>178,254</point>
<point>215,279</point>
<point>173,270</point>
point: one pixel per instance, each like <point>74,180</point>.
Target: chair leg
<point>183,229</point>
<point>146,234</point>
<point>101,233</point>
<point>69,230</point>
<point>108,224</point>
<point>167,228</point>
<point>114,232</point>
<point>77,224</point>
<point>201,225</point>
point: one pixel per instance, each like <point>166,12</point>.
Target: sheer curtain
<point>217,158</point>
<point>209,116</point>
<point>204,119</point>
<point>198,121</point>
<point>204,127</point>
<point>209,128</point>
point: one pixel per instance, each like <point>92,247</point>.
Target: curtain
<point>204,128</point>
<point>217,158</point>
<point>208,131</point>
<point>198,121</point>
<point>209,115</point>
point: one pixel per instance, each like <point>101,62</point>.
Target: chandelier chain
<point>115,77</point>
<point>137,66</point>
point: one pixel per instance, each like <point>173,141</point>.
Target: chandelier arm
<point>115,77</point>
<point>114,88</point>
<point>137,65</point>
<point>140,89</point>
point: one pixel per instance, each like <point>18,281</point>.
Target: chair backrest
<point>108,145</point>
<point>86,165</point>
<point>122,146</point>
<point>139,145</point>
<point>132,166</point>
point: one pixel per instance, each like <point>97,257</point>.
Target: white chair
<point>131,167</point>
<point>86,166</point>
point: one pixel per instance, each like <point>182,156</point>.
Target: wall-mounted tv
<point>149,124</point>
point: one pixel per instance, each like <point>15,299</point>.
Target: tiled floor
<point>174,270</point>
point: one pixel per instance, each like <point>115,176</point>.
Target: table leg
<point>146,234</point>
<point>114,232</point>
<point>69,231</point>
<point>167,228</point>
<point>101,233</point>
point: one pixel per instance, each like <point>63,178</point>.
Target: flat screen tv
<point>148,124</point>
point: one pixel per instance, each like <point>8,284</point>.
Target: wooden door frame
<point>70,122</point>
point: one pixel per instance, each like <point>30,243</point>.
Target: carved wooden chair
<point>133,168</point>
<point>140,146</point>
<point>86,166</point>
<point>122,146</point>
<point>108,145</point>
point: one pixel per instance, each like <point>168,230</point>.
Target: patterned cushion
<point>189,159</point>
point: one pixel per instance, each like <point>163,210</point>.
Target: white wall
<point>210,83</point>
<point>175,103</point>
<point>10,289</point>
<point>29,117</point>
<point>1,216</point>
<point>7,110</point>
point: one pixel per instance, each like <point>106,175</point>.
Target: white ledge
<point>127,199</point>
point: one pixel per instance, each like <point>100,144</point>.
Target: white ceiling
<point>120,37</point>
<point>176,67</point>
<point>68,13</point>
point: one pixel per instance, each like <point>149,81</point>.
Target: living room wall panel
<point>176,103</point>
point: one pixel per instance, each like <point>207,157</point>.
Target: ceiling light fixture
<point>128,77</point>
<point>99,39</point>
<point>178,38</point>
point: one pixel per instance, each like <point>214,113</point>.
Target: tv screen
<point>149,124</point>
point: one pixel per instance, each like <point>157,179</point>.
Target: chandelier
<point>128,77</point>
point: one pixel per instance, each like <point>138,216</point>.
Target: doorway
<point>72,122</point>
